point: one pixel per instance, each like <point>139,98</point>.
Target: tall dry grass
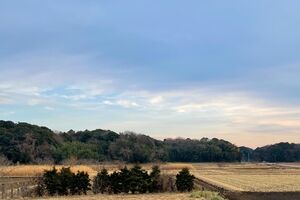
<point>162,196</point>
<point>37,170</point>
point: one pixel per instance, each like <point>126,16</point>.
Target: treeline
<point>281,152</point>
<point>26,143</point>
<point>134,181</point>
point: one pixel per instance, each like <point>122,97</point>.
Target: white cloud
<point>106,102</point>
<point>202,111</point>
<point>121,102</point>
<point>127,103</point>
<point>156,100</point>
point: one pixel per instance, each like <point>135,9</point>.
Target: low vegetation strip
<point>163,196</point>
<point>206,195</point>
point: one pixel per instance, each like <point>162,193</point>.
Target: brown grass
<point>239,177</point>
<point>250,177</point>
<point>167,168</point>
<point>37,170</point>
<point>165,196</point>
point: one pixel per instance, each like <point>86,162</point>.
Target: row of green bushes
<point>138,180</point>
<point>134,180</point>
<point>63,182</point>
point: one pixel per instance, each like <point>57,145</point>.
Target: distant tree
<point>4,161</point>
<point>64,182</point>
<point>154,185</point>
<point>65,179</point>
<point>115,182</point>
<point>26,143</point>
<point>184,180</point>
<point>125,175</point>
<point>51,181</point>
<point>80,183</point>
<point>138,180</point>
<point>101,182</point>
<point>281,152</point>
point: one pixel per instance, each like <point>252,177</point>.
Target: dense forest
<point>281,152</point>
<point>26,143</point>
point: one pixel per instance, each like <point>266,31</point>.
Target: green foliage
<point>281,152</point>
<point>204,150</point>
<point>26,143</point>
<point>125,175</point>
<point>138,181</point>
<point>80,183</point>
<point>184,180</point>
<point>134,180</point>
<point>64,182</point>
<point>155,185</point>
<point>135,148</point>
<point>101,182</point>
<point>207,195</point>
<point>246,154</point>
<point>77,150</point>
<point>116,182</point>
<point>51,181</point>
<point>65,178</point>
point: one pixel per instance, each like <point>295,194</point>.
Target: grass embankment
<point>206,195</point>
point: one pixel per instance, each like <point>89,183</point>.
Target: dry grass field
<point>166,196</point>
<point>250,177</point>
<point>37,170</point>
<point>235,177</point>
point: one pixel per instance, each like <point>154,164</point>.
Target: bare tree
<point>4,161</point>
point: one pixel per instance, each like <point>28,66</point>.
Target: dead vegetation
<point>236,177</point>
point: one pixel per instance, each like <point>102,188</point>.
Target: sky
<point>190,69</point>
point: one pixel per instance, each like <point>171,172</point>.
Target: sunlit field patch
<point>250,177</point>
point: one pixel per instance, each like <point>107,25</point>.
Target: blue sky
<point>226,69</point>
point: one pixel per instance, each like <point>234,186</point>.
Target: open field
<point>250,177</point>
<point>233,177</point>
